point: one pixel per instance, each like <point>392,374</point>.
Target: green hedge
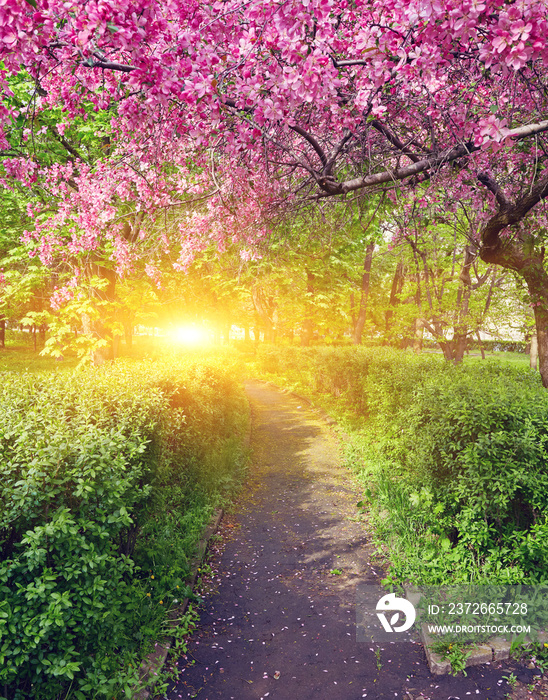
<point>460,454</point>
<point>106,479</point>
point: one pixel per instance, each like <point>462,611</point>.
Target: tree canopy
<point>116,113</point>
<point>325,97</point>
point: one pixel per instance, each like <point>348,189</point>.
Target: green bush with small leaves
<point>107,477</point>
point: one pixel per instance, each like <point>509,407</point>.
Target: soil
<point>279,617</point>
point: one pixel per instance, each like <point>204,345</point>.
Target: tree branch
<point>232,103</point>
<point>394,140</point>
<point>463,150</point>
<point>392,175</point>
<point>312,141</point>
<point>328,168</point>
<point>62,140</point>
<point>350,62</point>
<point>491,244</point>
<point>108,65</point>
<point>493,187</point>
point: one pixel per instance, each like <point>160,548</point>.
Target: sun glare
<point>190,335</point>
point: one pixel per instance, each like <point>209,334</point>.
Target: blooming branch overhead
<point>256,102</point>
<point>318,86</point>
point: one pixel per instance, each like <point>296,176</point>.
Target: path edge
<point>153,663</point>
<point>495,649</point>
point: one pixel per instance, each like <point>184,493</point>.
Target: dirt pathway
<point>281,624</point>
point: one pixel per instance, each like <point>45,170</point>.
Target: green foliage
<point>458,458</point>
<point>106,479</point>
<point>538,653</point>
<point>456,655</point>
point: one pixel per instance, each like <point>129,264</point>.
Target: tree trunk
<point>480,341</point>
<point>128,335</point>
<point>533,352</point>
<point>308,322</point>
<point>97,328</point>
<point>397,286</point>
<point>453,350</point>
<point>362,311</point>
<point>460,336</point>
<point>2,333</point>
<point>307,332</point>
<point>536,278</point>
<point>542,344</point>
<point>447,349</point>
<point>419,333</point>
<point>517,252</point>
<point>265,311</point>
<point>460,342</point>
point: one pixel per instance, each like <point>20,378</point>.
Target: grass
<point>516,359</point>
<point>19,357</point>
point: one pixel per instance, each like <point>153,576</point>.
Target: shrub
<point>95,466</point>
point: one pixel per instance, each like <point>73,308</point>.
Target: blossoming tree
<point>253,102</point>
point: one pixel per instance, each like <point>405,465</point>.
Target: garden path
<point>278,620</point>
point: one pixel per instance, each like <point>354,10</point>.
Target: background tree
<point>452,288</point>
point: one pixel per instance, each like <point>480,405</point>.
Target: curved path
<point>281,622</point>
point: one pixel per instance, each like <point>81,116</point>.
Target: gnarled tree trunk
<point>536,278</point>
<point>518,252</point>
<point>454,349</point>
